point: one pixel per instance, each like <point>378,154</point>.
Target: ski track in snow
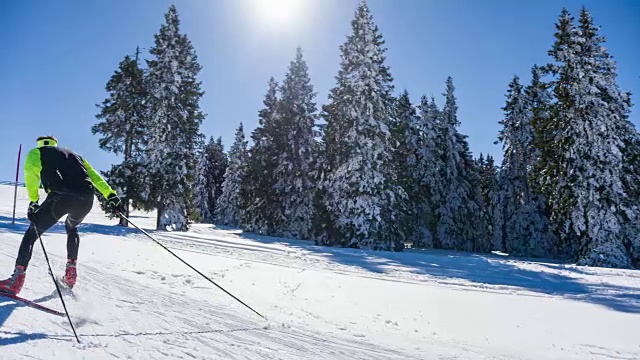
<point>166,324</point>
<point>281,254</point>
<point>134,301</point>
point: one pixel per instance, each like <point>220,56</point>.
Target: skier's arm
<point>32,168</point>
<point>98,181</point>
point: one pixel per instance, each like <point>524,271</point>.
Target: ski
<point>32,304</point>
<point>65,289</point>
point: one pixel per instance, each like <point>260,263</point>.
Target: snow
<point>134,300</point>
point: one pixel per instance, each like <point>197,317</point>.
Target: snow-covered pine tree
<point>122,127</point>
<point>476,207</point>
<point>616,104</point>
<point>551,177</point>
<point>229,205</point>
<point>631,184</point>
<point>406,132</point>
<point>589,211</point>
<point>428,169</point>
<point>459,213</point>
<point>540,100</point>
<point>361,190</point>
<point>445,201</point>
<point>619,106</point>
<point>202,188</point>
<point>631,155</point>
<point>295,130</point>
<point>261,213</point>
<point>521,229</point>
<point>488,175</point>
<point>322,227</point>
<point>219,162</point>
<point>174,127</point>
<point>212,166</point>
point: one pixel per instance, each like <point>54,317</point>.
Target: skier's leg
<point>77,213</point>
<point>51,210</point>
<point>73,241</point>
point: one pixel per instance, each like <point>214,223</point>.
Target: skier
<point>70,183</point>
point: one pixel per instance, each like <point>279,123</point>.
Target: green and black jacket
<point>61,170</point>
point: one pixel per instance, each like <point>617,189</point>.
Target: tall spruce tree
<point>428,169</point>
<point>589,209</point>
<point>296,144</point>
<point>406,132</point>
<point>553,142</point>
<point>211,170</point>
<point>521,227</point>
<point>542,123</point>
<point>488,175</point>
<point>617,104</point>
<point>174,127</point>
<point>459,224</point>
<point>361,189</point>
<point>476,207</point>
<point>202,188</point>
<point>259,200</point>
<point>219,162</point>
<point>123,118</point>
<point>322,227</point>
<point>229,205</point>
<point>539,100</point>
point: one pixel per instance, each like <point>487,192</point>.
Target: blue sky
<point>56,57</point>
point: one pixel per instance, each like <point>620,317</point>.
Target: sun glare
<point>277,13</point>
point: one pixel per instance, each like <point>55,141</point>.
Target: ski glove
<point>31,212</point>
<point>114,204</point>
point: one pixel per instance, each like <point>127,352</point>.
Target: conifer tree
<point>361,189</point>
<point>460,225</point>
<point>539,101</point>
<point>259,200</point>
<point>428,169</point>
<point>405,133</point>
<point>219,162</point>
<point>478,225</point>
<point>322,227</point>
<point>202,188</point>
<point>229,205</point>
<point>296,144</point>
<point>521,227</point>
<point>488,175</point>
<point>175,119</point>
<point>585,178</point>
<point>211,170</point>
<point>122,126</point>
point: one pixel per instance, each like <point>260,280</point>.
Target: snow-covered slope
<point>134,300</point>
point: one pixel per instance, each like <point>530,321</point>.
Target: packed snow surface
<point>134,300</point>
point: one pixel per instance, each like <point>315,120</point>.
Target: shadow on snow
<point>480,269</point>
<point>22,224</point>
<point>477,268</point>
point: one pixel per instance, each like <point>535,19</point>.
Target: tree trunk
<point>160,209</point>
<point>123,222</point>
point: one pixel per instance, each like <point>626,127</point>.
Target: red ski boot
<point>69,277</point>
<point>14,284</point>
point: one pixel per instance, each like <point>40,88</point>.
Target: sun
<point>277,13</point>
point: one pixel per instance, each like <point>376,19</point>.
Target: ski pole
<point>35,228</point>
<point>192,268</point>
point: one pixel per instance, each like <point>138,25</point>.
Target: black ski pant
<point>54,207</point>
